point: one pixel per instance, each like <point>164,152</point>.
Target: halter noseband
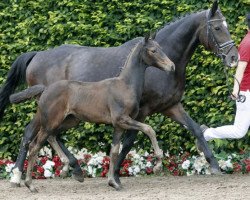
<point>220,48</point>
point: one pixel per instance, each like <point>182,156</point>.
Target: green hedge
<point>28,25</point>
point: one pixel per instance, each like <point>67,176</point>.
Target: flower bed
<point>135,164</point>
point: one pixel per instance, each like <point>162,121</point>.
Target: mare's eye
<point>217,28</point>
<point>153,51</point>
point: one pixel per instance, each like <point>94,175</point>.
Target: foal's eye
<point>217,28</point>
<point>153,51</point>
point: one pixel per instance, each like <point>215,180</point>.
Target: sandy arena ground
<point>226,187</point>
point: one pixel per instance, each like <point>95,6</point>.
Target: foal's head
<point>153,55</point>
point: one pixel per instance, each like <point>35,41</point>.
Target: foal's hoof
<point>157,169</point>
<point>31,188</point>
<point>113,184</point>
<point>64,174</point>
<point>14,185</point>
<point>78,177</point>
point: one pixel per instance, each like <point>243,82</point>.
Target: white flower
<point>229,164</point>
<point>9,167</point>
<point>45,151</point>
<point>48,165</point>
<point>148,164</point>
<point>230,157</point>
<point>48,173</point>
<point>222,164</point>
<point>137,169</point>
<point>130,170</point>
<point>136,157</point>
<point>190,173</point>
<point>185,164</point>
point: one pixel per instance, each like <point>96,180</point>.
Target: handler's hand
<point>234,95</point>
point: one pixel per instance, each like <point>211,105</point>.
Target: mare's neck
<point>180,39</point>
<point>133,71</point>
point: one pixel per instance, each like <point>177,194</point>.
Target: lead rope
<point>240,97</point>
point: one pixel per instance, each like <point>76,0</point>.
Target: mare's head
<point>216,37</point>
<point>152,55</point>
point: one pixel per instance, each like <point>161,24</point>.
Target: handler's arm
<point>238,75</point>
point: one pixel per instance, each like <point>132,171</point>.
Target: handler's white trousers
<point>240,126</point>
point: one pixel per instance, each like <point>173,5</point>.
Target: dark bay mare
<point>178,40</point>
<point>111,101</point>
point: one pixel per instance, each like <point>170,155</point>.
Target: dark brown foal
<point>112,101</point>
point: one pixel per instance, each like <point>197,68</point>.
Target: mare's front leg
<point>30,132</point>
<point>73,162</point>
<point>114,156</point>
<point>178,114</point>
<point>127,144</point>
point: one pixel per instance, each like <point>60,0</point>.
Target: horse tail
<point>16,76</point>
<point>26,94</point>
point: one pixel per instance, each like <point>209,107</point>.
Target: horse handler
<point>242,118</point>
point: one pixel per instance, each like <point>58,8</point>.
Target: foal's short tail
<point>29,93</point>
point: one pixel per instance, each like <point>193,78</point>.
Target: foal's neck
<point>133,71</point>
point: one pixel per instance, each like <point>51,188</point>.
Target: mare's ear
<point>213,9</point>
<point>147,37</point>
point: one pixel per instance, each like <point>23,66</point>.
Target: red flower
<point>175,172</point>
<point>149,170</point>
<point>43,160</point>
<point>2,162</point>
<point>237,167</point>
<point>149,158</point>
<point>57,172</point>
<point>25,165</point>
<point>104,172</point>
<point>40,169</point>
<point>57,162</point>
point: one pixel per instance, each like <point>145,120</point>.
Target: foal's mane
<point>129,56</point>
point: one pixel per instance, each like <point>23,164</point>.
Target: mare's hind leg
<point>34,148</point>
<point>77,173</point>
<point>129,123</point>
<point>30,132</point>
<point>114,156</point>
<point>178,114</point>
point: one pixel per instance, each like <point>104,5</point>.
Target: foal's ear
<point>152,35</point>
<point>213,9</point>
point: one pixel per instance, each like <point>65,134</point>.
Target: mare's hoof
<point>117,180</point>
<point>14,185</point>
<point>78,177</point>
<point>113,184</point>
<point>216,171</point>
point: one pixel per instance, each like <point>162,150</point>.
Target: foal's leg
<point>178,114</point>
<point>113,157</point>
<point>30,132</point>
<point>129,123</point>
<point>53,142</point>
<point>127,144</point>
<point>35,147</point>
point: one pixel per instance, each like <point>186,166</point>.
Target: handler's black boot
<point>203,128</point>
